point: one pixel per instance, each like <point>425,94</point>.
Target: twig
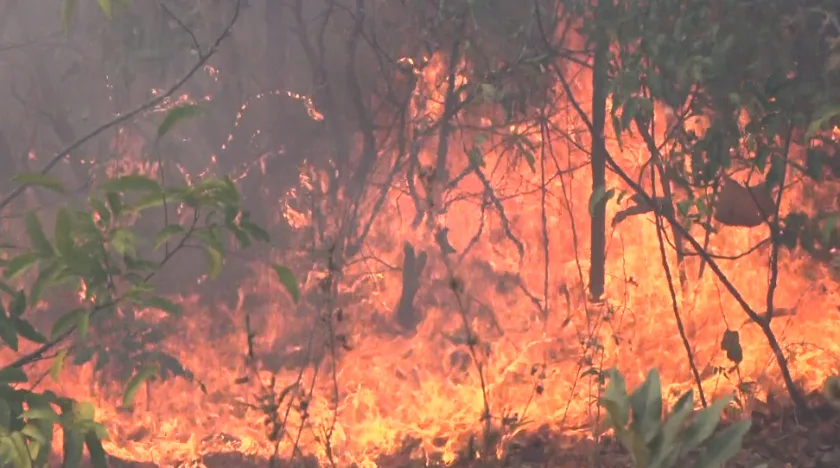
<point>660,227</point>
<point>38,353</point>
<point>490,194</point>
<point>793,391</point>
<point>775,233</point>
<point>183,26</point>
<point>544,219</point>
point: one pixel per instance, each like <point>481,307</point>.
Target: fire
<point>534,352</point>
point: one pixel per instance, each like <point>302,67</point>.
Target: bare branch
<point>203,58</point>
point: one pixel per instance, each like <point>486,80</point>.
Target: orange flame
<point>393,387</point>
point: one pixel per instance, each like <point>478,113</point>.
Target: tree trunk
<point>599,210</point>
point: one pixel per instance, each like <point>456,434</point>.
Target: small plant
<point>655,441</point>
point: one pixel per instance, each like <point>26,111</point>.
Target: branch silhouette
<point>39,353</point>
<point>203,58</point>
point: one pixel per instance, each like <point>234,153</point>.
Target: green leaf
<point>167,233</point>
<point>215,261</point>
<point>26,330</point>
<point>11,375</point>
<point>23,451</point>
<point>724,445</point>
<point>36,179</point>
<point>58,364</point>
<point>18,305</point>
<point>64,234</point>
<point>824,116</point>
<point>4,287</point>
<point>216,192</point>
<point>241,236</point>
<point>829,226</point>
<point>665,446</point>
<point>600,194</point>
<point>83,411</point>
<point>20,265</point>
<point>97,454</point>
<point>45,413</point>
<point>628,113</point>
<point>114,203</point>
<point>288,280</point>
<point>68,8</point>
<point>488,92</point>
<point>145,373</point>
<point>165,305</point>
<point>83,325</point>
<point>635,444</point>
<point>46,274</point>
<point>815,161</point>
<point>704,424</point>
<point>67,322</point>
<point>7,451</point>
<point>528,152</point>
<point>616,123</point>
<point>33,432</point>
<point>132,182</point>
<point>176,115</point>
<point>8,332</point>
<point>255,231</point>
<point>105,6</point>
<point>616,401</point>
<point>646,402</point>
<point>100,431</point>
<point>153,200</point>
<point>73,448</point>
<point>683,207</point>
<point>5,414</point>
<point>124,242</point>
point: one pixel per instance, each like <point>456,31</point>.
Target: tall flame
<point>535,366</point>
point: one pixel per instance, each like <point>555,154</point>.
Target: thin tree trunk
<point>599,210</point>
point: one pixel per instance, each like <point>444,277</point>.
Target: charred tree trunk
<point>597,270</point>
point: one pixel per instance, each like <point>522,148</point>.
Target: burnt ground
<point>779,438</point>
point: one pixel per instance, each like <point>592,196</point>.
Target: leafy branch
<point>26,181</point>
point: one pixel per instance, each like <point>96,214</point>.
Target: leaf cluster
<point>28,419</point>
<point>96,249</point>
<point>657,441</point>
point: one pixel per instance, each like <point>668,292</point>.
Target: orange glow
<point>394,387</point>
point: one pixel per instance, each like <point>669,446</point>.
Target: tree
<point>359,105</point>
<point>598,204</point>
<point>96,248</point>
<point>702,60</point>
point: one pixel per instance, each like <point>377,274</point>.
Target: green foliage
<point>39,180</point>
<point>763,73</point>
<point>27,421</point>
<point>288,280</point>
<point>176,115</point>
<point>145,373</point>
<point>95,247</point>
<point>655,441</point>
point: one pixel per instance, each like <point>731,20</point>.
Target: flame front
<point>536,341</point>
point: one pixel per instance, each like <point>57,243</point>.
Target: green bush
<point>655,441</point>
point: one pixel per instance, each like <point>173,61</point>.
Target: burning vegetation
<point>418,233</point>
